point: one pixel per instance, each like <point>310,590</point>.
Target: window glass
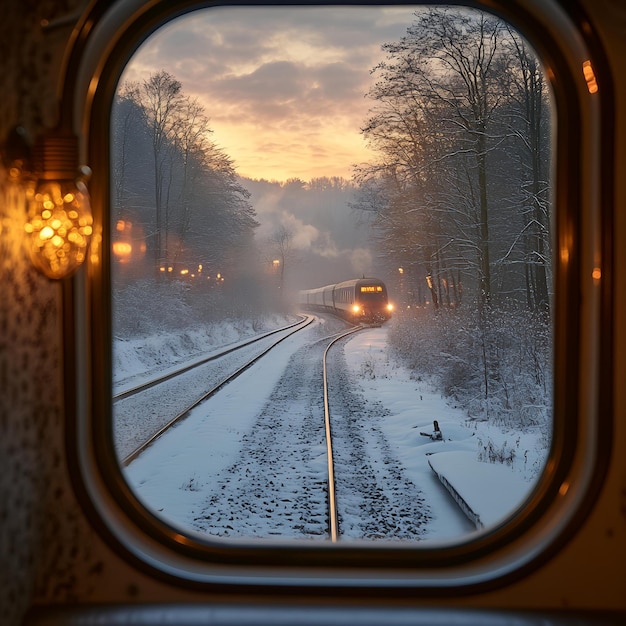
<point>259,152</point>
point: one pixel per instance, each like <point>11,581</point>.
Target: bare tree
<point>529,126</point>
<point>187,196</point>
<point>460,187</point>
<point>191,132</point>
<point>281,246</point>
<point>440,90</point>
<point>160,99</point>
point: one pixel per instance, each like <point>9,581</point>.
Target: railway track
<point>213,357</point>
<point>308,461</point>
<point>180,414</point>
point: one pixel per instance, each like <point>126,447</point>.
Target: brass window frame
<point>104,41</point>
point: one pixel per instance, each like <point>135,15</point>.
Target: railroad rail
<point>298,326</point>
<point>333,524</point>
<point>309,503</point>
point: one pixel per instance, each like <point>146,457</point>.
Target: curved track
<point>198,395</point>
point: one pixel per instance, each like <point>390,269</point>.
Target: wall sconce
<point>59,221</point>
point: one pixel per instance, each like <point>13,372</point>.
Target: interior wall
<point>47,550</point>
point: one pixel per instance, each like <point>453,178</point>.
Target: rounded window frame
<point>104,41</point>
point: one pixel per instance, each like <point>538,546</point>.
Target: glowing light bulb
<point>59,226</point>
<point>59,222</point>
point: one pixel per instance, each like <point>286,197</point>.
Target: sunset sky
<point>284,87</point>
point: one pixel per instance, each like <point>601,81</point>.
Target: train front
<point>371,304</point>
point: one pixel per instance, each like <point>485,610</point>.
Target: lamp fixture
<point>59,221</point>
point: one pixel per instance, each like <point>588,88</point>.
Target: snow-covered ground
<point>491,490</point>
<point>177,488</point>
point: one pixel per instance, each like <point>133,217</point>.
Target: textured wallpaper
<point>45,542</point>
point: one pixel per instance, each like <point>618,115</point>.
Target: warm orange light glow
<point>590,77</point>
<point>401,270</point>
<point>122,249</point>
<point>184,272</point>
<point>94,249</point>
<point>59,226</point>
<point>596,274</point>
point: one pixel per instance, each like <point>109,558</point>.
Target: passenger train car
<point>361,300</point>
<point>76,548</point>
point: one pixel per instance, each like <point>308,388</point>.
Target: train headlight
<point>390,307</point>
<point>356,308</point>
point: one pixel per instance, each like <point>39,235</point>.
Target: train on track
<point>360,301</point>
<point>76,546</point>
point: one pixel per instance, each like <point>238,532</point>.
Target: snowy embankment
<point>139,359</point>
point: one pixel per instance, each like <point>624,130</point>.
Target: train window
<point>423,141</point>
<point>340,245</point>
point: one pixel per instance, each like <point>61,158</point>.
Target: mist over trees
<point>311,229</point>
<point>199,242</point>
<point>459,199</point>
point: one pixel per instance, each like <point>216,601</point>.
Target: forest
<point>459,199</point>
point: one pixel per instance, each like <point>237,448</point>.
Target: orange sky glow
<point>284,87</point>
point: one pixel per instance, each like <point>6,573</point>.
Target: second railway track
<point>165,400</point>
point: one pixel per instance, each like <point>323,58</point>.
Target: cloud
<point>283,87</point>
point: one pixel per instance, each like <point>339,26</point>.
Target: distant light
<point>401,270</point>
<point>184,272</point>
<point>122,249</point>
<point>590,77</point>
<point>596,274</point>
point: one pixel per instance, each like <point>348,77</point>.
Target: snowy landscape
<point>177,476</point>
<point>442,419</point>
